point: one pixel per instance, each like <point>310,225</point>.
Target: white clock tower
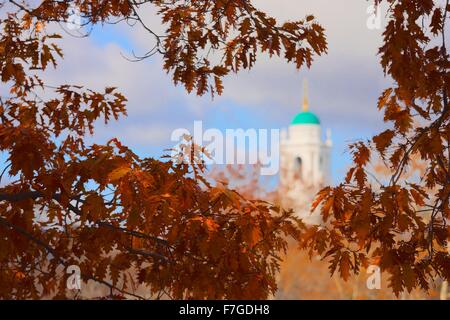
<point>305,161</point>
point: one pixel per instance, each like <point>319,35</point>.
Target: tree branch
<point>61,261</point>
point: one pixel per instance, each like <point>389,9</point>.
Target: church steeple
<point>305,96</point>
<point>305,117</point>
<point>305,160</point>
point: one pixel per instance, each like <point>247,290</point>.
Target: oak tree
<point>125,220</point>
<point>399,223</point>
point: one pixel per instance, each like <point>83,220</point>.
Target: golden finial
<point>305,96</point>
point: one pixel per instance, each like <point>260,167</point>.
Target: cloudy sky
<point>344,85</point>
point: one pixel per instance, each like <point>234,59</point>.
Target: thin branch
<point>61,261</point>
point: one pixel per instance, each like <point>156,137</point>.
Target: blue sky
<point>344,85</point>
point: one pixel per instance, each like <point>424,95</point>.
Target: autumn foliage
<point>127,221</point>
<point>399,223</point>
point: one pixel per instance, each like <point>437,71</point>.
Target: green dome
<point>305,117</point>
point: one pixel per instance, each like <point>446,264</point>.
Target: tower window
<point>298,165</point>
